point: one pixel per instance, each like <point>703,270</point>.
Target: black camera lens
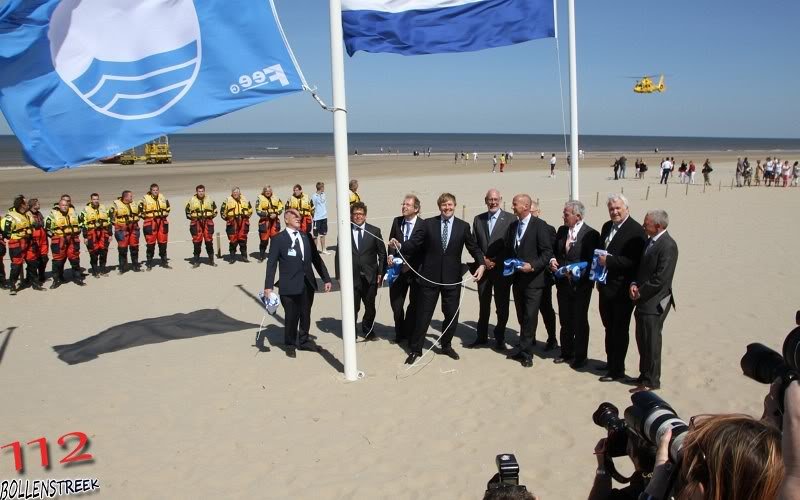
<point>605,415</point>
<point>764,365</point>
<point>650,417</point>
<point>791,349</point>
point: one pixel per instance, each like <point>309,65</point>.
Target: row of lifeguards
<point>30,234</point>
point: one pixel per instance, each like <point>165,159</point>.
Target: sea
<point>194,147</point>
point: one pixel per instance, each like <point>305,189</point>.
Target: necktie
<point>614,229</point>
<point>296,244</point>
<point>407,230</point>
<point>444,235</point>
<point>520,230</point>
<point>492,221</point>
<point>649,245</point>
<point>360,237</point>
<point>570,240</point>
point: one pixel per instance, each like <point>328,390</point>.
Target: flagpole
<point>344,253</point>
<point>573,105</point>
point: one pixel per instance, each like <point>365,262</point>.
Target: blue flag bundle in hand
<point>394,271</point>
<point>598,272</point>
<point>271,301</point>
<point>82,80</point>
<point>576,270</point>
<point>511,265</point>
<point>412,27</point>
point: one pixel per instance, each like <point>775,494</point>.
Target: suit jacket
<point>654,277</point>
<point>413,259</point>
<point>370,258</point>
<point>548,275</point>
<point>295,271</point>
<point>493,246</point>
<point>586,242</point>
<point>442,265</point>
<point>625,254</point>
<point>535,248</point>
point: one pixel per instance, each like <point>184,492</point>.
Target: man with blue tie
<point>403,226</point>
<point>294,252</point>
<point>490,229</point>
<point>529,241</point>
<point>440,244</point>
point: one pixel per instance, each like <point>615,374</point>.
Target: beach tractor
<point>646,85</point>
<point>158,151</point>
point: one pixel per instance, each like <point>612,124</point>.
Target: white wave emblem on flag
<point>127,59</point>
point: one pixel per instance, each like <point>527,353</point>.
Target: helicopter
<point>646,85</point>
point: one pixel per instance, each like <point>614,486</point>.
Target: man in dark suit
<point>403,227</point>
<point>624,239</point>
<point>293,251</point>
<point>546,307</point>
<point>491,229</point>
<point>441,243</point>
<point>576,242</point>
<point>652,294</point>
<point>369,265</point>
<point>528,241</point>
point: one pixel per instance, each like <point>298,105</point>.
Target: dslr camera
<point>506,481</point>
<point>638,433</point>
<point>764,365</point>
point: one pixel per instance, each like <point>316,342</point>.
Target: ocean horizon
<point>232,146</point>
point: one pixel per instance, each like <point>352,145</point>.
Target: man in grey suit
<point>490,229</point>
<point>652,294</point>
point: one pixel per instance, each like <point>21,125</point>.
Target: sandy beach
<point>186,407</point>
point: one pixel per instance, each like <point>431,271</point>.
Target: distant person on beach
<point>354,196</point>
<point>155,226</point>
<point>96,226</point>
<point>622,164</point>
<point>455,159</point>
<point>541,155</point>
<point>759,172</point>
<point>666,168</point>
<point>294,254</point>
<point>682,177</point>
<point>125,216</point>
<point>786,172</point>
<point>39,243</point>
<point>739,172</point>
<point>747,172</point>
<point>691,171</point>
<point>795,173</point>
<point>304,206</point>
<point>268,209</point>
<point>201,210</point>
<point>236,212</point>
<point>474,156</point>
<point>17,230</point>
<point>707,169</point>
<point>494,163</point>
<point>510,157</point>
<point>320,224</point>
<point>64,230</point>
<point>502,162</point>
<point>553,165</point>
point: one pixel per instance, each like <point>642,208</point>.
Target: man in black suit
<point>575,242</point>
<point>624,239</point>
<point>491,229</point>
<point>652,294</point>
<point>296,253</point>
<point>369,265</point>
<point>403,227</point>
<point>528,241</point>
<point>441,243</point>
<point>546,307</point>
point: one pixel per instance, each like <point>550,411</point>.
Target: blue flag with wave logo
<point>411,27</point>
<point>82,80</point>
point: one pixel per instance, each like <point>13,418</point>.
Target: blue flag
<point>81,80</point>
<point>412,27</point>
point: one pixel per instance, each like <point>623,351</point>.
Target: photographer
<point>642,462</point>
<point>724,457</point>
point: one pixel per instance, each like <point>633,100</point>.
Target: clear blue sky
<point>733,67</point>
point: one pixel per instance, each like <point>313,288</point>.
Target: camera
<point>607,416</point>
<point>506,481</point>
<point>764,365</point>
<point>649,417</point>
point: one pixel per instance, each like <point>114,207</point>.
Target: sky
<point>731,69</point>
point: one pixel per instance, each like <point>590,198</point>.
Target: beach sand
<point>209,416</point>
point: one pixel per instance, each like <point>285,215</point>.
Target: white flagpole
<point>344,253</point>
<point>573,105</point>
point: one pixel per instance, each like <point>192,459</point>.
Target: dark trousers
<point>648,338</point>
<point>404,320</point>
<point>298,314</point>
<point>573,314</point>
<point>616,311</point>
<point>500,286</point>
<point>548,313</point>
<point>365,291</point>
<point>664,177</point>
<point>428,297</point>
<point>527,301</point>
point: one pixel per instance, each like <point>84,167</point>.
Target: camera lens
<point>650,417</point>
<point>605,415</point>
<point>791,349</point>
<point>764,365</point>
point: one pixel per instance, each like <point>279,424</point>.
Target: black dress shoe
<point>559,361</point>
<point>262,348</point>
<point>575,365</point>
<point>477,343</point>
<point>448,351</point>
<point>499,346</point>
<point>308,346</point>
<point>527,362</point>
<point>551,344</point>
<point>290,352</point>
<point>610,378</point>
<point>412,358</point>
